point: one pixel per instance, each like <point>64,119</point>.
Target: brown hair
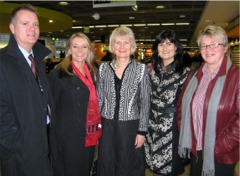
<point>27,7</point>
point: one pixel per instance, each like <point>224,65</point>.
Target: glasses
<point>212,45</point>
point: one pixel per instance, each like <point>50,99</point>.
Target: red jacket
<point>228,126</point>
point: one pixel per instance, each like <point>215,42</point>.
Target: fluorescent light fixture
<point>131,18</point>
<point>100,26</point>
<point>126,25</point>
<point>160,7</point>
<point>77,27</point>
<point>139,24</point>
<point>113,25</point>
<point>183,40</point>
<point>153,24</point>
<point>182,24</point>
<point>63,3</point>
<point>91,27</point>
<point>168,24</point>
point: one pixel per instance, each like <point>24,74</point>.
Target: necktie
<point>33,65</point>
<point>34,70</point>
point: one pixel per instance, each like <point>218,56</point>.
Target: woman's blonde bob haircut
<point>214,31</point>
<point>122,32</point>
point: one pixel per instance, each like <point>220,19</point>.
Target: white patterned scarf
<point>185,140</point>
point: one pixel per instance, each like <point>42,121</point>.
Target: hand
<point>139,141</point>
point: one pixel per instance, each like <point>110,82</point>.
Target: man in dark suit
<point>25,100</point>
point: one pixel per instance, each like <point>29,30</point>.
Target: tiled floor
<point>187,171</point>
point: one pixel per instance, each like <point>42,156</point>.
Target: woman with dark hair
<point>167,74</point>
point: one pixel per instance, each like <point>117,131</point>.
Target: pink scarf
<point>93,120</point>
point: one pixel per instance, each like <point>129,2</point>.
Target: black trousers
<point>220,169</point>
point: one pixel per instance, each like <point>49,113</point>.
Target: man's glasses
<point>212,45</point>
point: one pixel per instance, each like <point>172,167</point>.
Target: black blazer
<point>23,130</point>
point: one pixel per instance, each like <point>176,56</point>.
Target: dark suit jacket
<point>23,129</point>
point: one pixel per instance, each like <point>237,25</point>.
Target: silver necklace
<point>120,66</point>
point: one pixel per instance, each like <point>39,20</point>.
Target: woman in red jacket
<point>208,109</point>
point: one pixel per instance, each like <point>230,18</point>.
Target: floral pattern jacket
<point>162,138</point>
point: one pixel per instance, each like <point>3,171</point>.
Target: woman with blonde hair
<point>208,109</point>
<point>78,124</point>
<point>123,88</point>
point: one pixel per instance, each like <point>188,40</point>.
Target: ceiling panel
<point>173,12</point>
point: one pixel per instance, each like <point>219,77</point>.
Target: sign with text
<point>113,3</point>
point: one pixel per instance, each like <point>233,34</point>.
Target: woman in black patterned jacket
<point>123,88</point>
<point>167,74</point>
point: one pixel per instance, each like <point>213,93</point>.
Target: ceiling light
<point>183,40</point>
<point>96,16</point>
<point>160,7</point>
<point>51,21</point>
<point>139,24</point>
<point>100,26</point>
<point>113,25</point>
<point>153,24</point>
<point>63,3</point>
<point>209,21</point>
<point>126,25</point>
<point>182,23</point>
<point>77,27</point>
<point>131,18</point>
<point>182,16</point>
<point>167,24</point>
